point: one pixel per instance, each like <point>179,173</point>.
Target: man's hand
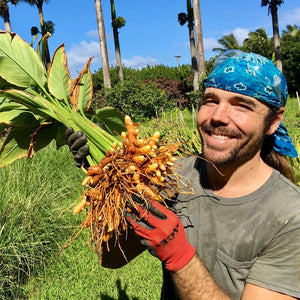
<point>77,142</point>
<point>161,230</point>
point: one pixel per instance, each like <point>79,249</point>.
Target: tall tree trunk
<point>7,26</point>
<point>192,45</point>
<point>116,41</point>
<point>43,30</point>
<point>276,38</point>
<point>103,47</point>
<point>199,39</point>
<point>5,15</point>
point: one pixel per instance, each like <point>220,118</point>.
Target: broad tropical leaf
<point>59,80</point>
<point>16,143</point>
<point>19,63</point>
<point>9,111</point>
<point>85,93</point>
<point>82,89</point>
<point>42,137</point>
<point>110,119</point>
<point>37,104</point>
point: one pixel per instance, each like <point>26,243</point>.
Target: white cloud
<point>291,17</point>
<point>79,54</point>
<point>210,43</point>
<point>241,34</point>
<point>139,62</point>
<point>93,34</point>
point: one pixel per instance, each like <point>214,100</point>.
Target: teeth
<point>220,137</point>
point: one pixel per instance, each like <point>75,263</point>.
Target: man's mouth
<point>219,137</point>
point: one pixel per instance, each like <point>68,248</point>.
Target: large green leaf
<point>26,140</point>
<point>110,119</point>
<point>10,111</point>
<point>36,103</point>
<point>85,88</point>
<point>82,89</point>
<point>59,80</point>
<point>42,137</point>
<point>19,63</point>
<point>16,143</point>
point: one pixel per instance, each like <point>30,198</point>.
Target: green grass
<point>291,118</point>
<point>33,194</point>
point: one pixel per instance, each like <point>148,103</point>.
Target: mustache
<point>221,130</point>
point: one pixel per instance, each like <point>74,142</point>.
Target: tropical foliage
<point>37,105</point>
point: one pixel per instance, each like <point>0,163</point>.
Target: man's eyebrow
<point>209,95</point>
<point>245,100</point>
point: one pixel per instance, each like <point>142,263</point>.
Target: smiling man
<point>238,237</point>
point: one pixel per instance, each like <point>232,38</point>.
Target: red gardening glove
<point>163,232</point>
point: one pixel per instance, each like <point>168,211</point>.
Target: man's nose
<point>221,113</point>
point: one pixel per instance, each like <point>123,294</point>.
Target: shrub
<point>141,101</point>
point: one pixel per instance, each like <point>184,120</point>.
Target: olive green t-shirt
<point>254,238</point>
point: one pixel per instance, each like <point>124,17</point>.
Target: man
<point>238,237</point>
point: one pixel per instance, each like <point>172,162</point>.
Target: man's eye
<point>209,101</point>
<point>243,106</point>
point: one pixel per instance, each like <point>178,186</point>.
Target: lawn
<point>33,194</point>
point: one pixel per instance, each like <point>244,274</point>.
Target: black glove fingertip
<point>69,131</point>
<point>74,136</point>
<point>79,143</point>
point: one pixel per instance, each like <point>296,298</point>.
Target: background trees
<point>199,39</point>
<point>116,24</point>
<point>4,13</point>
<point>228,42</point>
<point>188,18</point>
<point>103,46</point>
<point>259,42</point>
<point>47,26</point>
<point>272,8</point>
<point>290,46</point>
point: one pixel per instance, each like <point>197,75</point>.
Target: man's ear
<point>276,121</point>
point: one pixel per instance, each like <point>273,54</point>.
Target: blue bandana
<point>255,76</point>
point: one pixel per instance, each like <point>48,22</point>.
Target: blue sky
<point>152,34</point>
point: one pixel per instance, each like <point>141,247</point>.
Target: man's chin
<point>219,158</point>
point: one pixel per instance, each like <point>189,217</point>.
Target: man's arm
<point>193,282</point>
<point>162,231</point>
<point>254,292</point>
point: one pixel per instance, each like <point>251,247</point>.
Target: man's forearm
<point>194,282</point>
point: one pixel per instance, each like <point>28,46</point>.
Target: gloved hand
<point>162,230</point>
<point>78,146</point>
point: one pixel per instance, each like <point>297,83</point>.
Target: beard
<point>245,148</point>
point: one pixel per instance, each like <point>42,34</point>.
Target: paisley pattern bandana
<point>255,76</point>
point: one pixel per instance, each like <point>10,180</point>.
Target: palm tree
<point>291,29</point>
<point>228,42</point>
<point>103,46</point>
<point>188,18</point>
<point>4,13</point>
<point>117,23</point>
<point>199,38</point>
<point>44,25</point>
<point>259,42</point>
<point>272,8</point>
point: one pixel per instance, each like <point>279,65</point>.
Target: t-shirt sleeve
<point>278,266</point>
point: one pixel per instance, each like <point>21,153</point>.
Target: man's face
<point>231,126</point>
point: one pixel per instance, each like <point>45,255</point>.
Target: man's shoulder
<point>185,165</point>
<point>284,187</point>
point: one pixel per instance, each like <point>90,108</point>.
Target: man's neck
<point>238,180</point>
